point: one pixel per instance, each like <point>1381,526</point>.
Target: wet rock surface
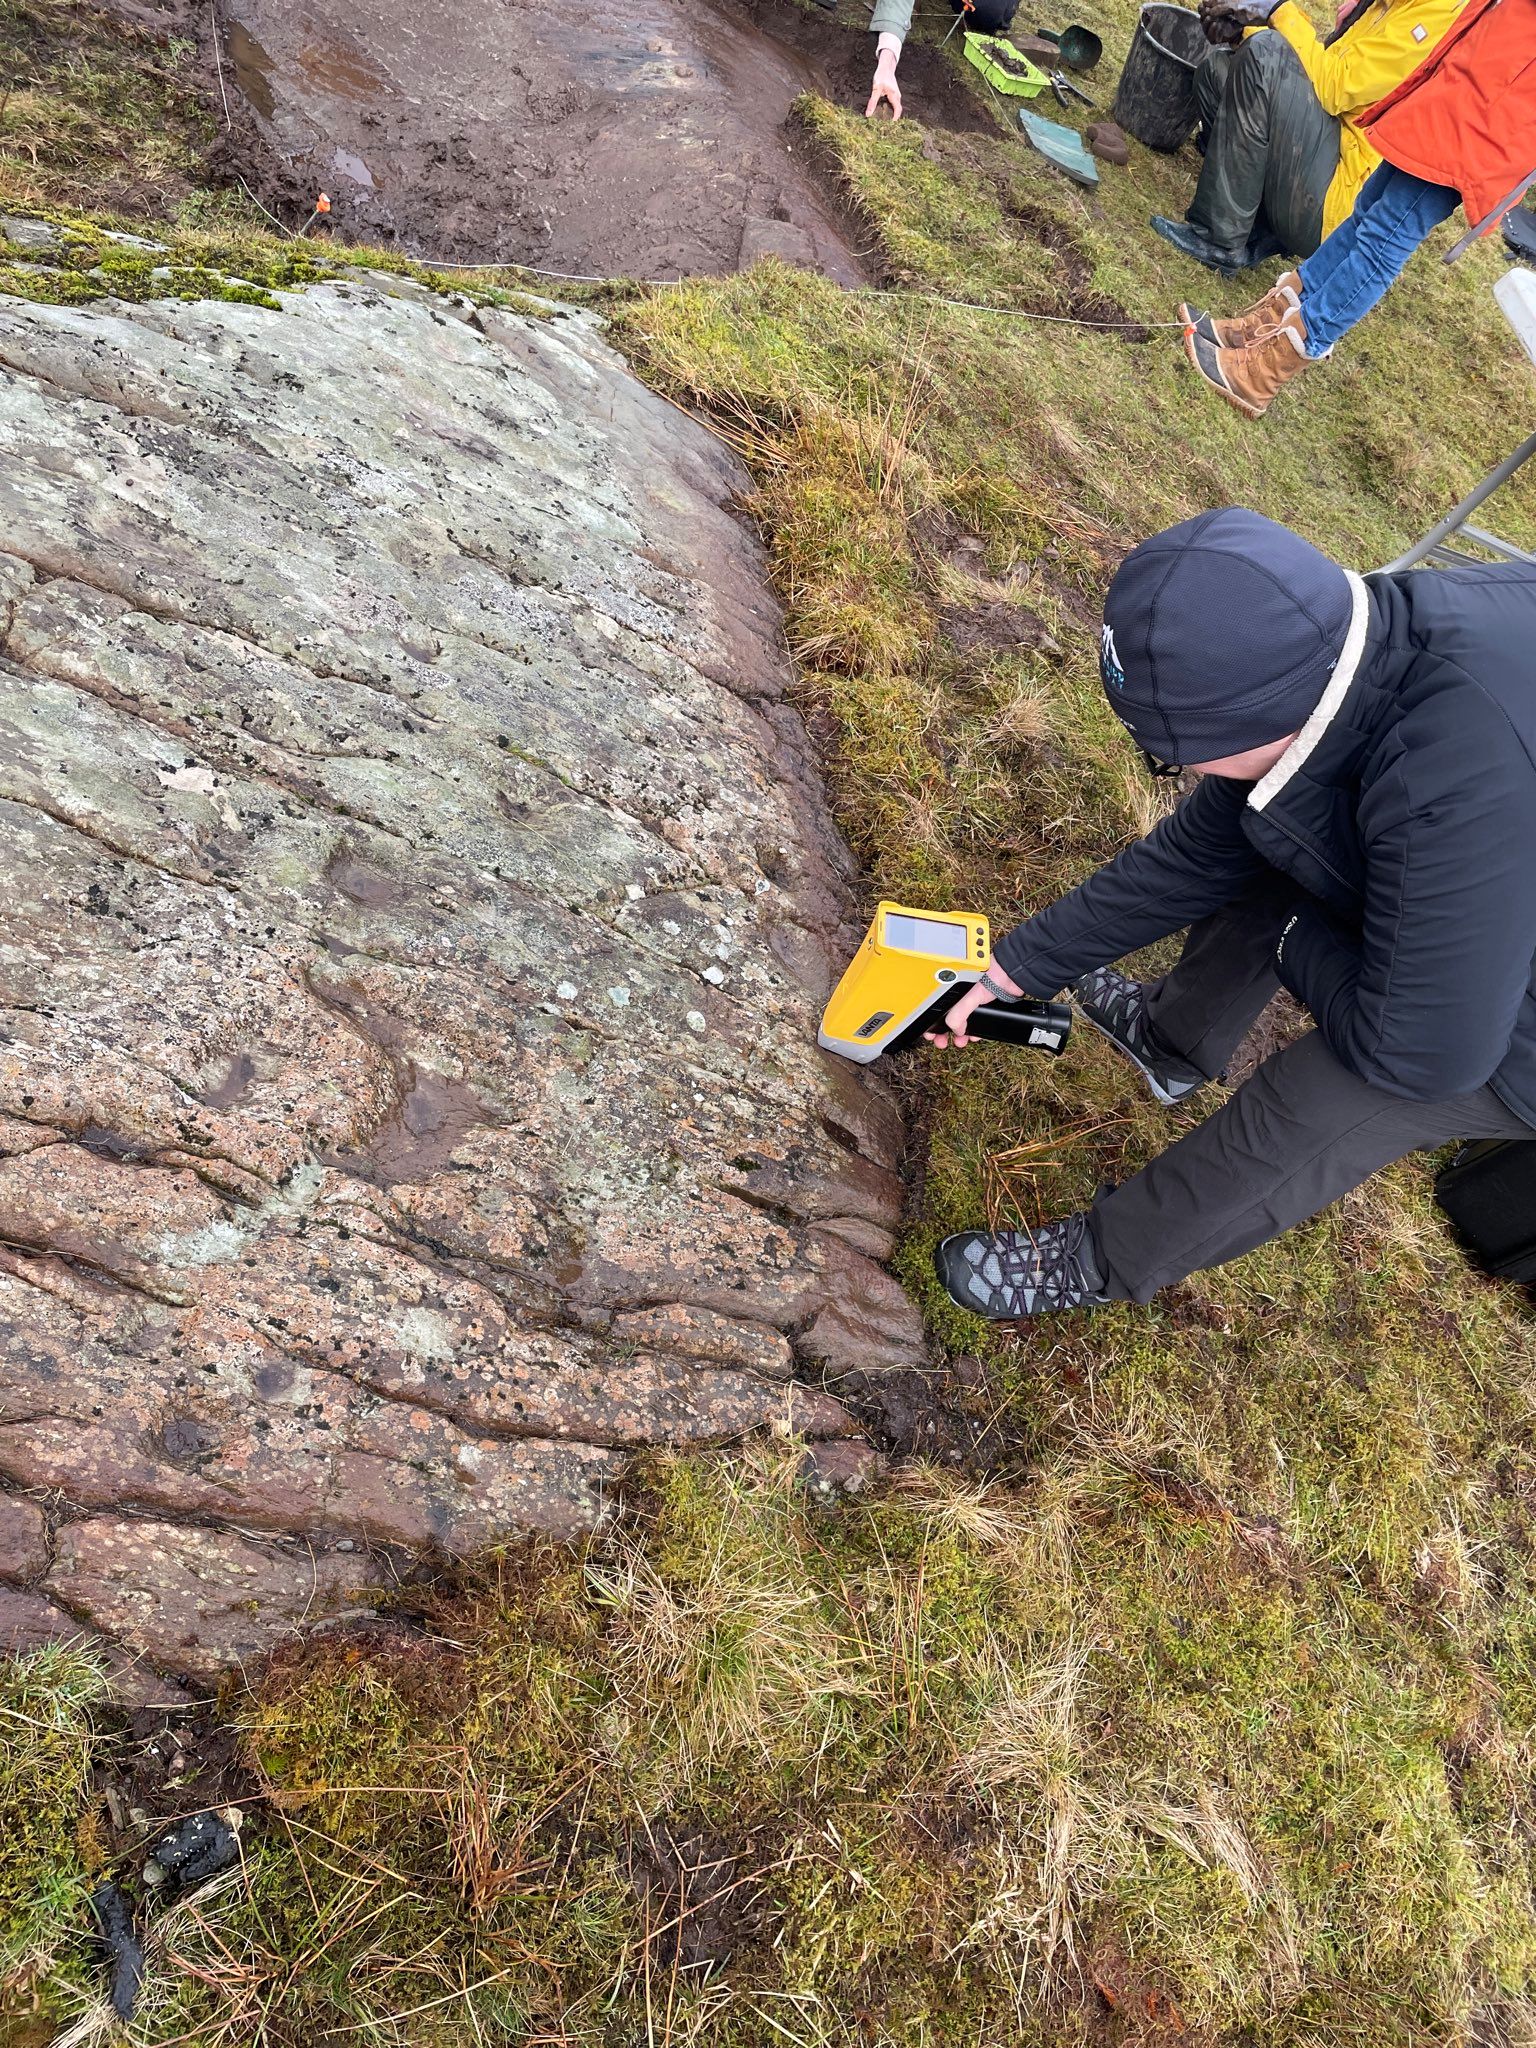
<point>415,904</point>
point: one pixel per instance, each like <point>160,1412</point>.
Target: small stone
<point>840,1470</point>
<point>714,975</point>
<point>619,997</point>
<point>633,891</point>
<point>36,235</point>
<point>135,242</point>
<point>695,1020</point>
<point>566,991</point>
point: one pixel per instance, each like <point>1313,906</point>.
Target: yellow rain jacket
<point>1391,39</point>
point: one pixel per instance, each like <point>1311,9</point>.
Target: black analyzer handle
<point>1038,1026</point>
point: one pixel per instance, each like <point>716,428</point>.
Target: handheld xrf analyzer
<point>912,967</point>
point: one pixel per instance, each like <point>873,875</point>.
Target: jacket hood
<point>1221,634</point>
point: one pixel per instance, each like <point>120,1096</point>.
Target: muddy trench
<point>593,137</point>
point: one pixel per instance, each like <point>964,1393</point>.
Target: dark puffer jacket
<point>1405,813</point>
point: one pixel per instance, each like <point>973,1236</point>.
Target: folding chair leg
<point>1453,521</point>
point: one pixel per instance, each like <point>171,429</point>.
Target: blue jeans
<point>1354,266</point>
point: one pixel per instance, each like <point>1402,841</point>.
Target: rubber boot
<point>1251,325</point>
<point>1252,378</point>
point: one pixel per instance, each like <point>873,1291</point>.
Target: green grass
<point>1215,1722</point>
<point>96,112</point>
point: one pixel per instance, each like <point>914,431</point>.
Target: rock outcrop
<point>415,902</point>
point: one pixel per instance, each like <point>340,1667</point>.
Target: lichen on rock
<point>384,686</point>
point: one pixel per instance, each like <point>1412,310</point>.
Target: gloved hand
<point>1225,20</point>
<point>886,88</point>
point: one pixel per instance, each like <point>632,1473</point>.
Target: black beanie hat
<point>1220,635</point>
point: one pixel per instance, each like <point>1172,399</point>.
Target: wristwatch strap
<point>996,989</point>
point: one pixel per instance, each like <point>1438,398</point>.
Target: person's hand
<point>1221,25</point>
<point>1225,20</point>
<point>956,1019</point>
<point>886,88</point>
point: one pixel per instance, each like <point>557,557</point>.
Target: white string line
<point>883,298</point>
<point>218,62</point>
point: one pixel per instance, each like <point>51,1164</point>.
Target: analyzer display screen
<point>926,935</point>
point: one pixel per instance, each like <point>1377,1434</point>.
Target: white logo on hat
<point>1109,659</point>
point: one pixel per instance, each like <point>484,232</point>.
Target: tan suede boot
<point>1251,325</point>
<point>1250,378</point>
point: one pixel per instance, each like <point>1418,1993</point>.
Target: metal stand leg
<point>1433,548</point>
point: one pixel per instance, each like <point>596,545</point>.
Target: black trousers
<point>1301,1132</point>
<point>1270,151</point>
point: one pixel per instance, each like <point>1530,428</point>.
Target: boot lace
<point>1046,1268</point>
<point>1120,1002</point>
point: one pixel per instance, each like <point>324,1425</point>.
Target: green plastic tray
<point>1023,82</point>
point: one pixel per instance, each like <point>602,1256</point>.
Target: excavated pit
<point>649,138</point>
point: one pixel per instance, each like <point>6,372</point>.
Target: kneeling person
<point>1361,834</point>
<point>1286,154</point>
<point>889,23</point>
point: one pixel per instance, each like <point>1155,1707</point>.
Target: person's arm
<point>1424,1004</point>
<point>1192,863</point>
<point>1375,56</point>
<point>890,22</point>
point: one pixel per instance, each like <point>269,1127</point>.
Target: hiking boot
<point>1253,325</point>
<point>1008,1274</point>
<point>1192,241</point>
<point>1252,378</point>
<point>1117,1006</point>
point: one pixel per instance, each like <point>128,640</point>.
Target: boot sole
<point>941,1268</point>
<point>1158,1090</point>
<point>1249,412</point>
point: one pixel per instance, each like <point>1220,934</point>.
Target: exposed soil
<point>587,136</point>
<point>702,1894</point>
<point>945,1415</point>
<point>935,90</point>
<point>607,137</point>
<point>122,61</point>
<point>1132,2009</point>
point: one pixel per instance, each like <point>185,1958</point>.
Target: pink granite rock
<point>416,900</point>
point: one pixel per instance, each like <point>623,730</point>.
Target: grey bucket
<point>1156,98</point>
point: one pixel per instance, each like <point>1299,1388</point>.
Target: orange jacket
<point>1467,116</point>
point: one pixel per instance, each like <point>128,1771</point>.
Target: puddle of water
<point>434,1115</point>
<point>353,167</point>
<point>253,68</point>
<point>227,1090</point>
<point>362,883</point>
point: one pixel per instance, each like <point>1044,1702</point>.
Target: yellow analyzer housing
<point>911,968</point>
